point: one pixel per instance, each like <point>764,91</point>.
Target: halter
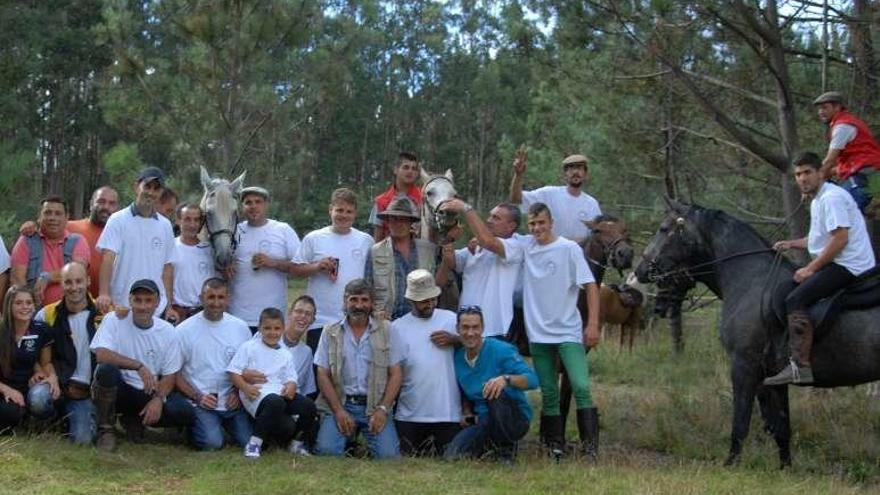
<point>230,232</point>
<point>435,212</point>
<point>606,248</point>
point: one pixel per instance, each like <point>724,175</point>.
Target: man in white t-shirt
<point>429,404</point>
<point>208,341</point>
<point>193,261</point>
<point>491,268</point>
<point>4,267</point>
<point>299,319</point>
<point>138,243</point>
<point>840,249</point>
<point>263,259</point>
<point>332,257</point>
<point>554,273</point>
<point>569,204</point>
<point>138,359</point>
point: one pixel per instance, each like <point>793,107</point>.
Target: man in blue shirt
<point>492,376</point>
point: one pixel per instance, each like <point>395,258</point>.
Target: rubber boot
<point>800,343</point>
<point>555,434</point>
<point>542,431</point>
<point>588,430</point>
<point>105,409</point>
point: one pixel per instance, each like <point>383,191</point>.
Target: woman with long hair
<point>24,344</point>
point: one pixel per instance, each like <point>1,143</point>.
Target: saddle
<point>630,297</point>
<point>863,293</point>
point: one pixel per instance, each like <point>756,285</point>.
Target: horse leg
<point>746,378</point>
<point>677,333</point>
<point>773,402</point>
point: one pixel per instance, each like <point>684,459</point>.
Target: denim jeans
<point>207,429</point>
<point>857,185</point>
<point>499,430</point>
<point>80,416</point>
<point>383,445</point>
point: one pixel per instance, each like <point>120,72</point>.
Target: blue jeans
<point>857,186</point>
<point>383,445</point>
<point>207,429</point>
<point>80,420</point>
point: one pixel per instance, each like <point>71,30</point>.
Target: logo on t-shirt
<point>152,359</point>
<point>550,267</point>
<point>584,216</point>
<point>203,268</point>
<point>230,353</point>
<point>263,246</point>
<point>357,254</point>
<point>30,344</point>
<point>156,243</point>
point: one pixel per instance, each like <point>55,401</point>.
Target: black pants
<point>499,431</point>
<point>274,419</point>
<point>11,415</point>
<point>130,401</point>
<point>831,278</point>
<point>425,439</point>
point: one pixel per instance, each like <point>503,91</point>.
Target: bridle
<point>435,211</point>
<point>212,235</point>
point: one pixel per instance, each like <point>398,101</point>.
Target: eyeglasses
<point>470,309</point>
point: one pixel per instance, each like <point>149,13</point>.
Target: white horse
<point>220,206</point>
<point>437,189</point>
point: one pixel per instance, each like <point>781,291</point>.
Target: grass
<point>665,429</point>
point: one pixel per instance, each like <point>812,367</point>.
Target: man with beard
<point>357,378</point>
<point>429,407</point>
<point>72,322</point>
<point>137,243</point>
<point>569,204</point>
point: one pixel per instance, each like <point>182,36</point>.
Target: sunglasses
<point>470,309</point>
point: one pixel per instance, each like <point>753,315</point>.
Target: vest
<point>380,343</point>
<point>63,348</point>
<point>35,249</point>
<point>863,151</point>
<point>384,199</point>
<point>384,283</point>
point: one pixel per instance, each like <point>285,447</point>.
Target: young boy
<point>274,402</point>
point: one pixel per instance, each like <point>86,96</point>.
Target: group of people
<point>112,319</point>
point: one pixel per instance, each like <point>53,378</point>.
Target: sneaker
<point>298,447</point>
<point>252,450</point>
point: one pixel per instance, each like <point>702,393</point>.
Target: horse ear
<point>424,175</point>
<point>448,174</point>
<point>206,179</point>
<point>591,224</point>
<point>238,183</point>
<point>674,205</point>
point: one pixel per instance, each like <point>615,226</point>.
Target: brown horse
<point>615,310</point>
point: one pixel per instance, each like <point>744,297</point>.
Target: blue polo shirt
<point>496,358</point>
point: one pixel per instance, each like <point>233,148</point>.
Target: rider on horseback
<point>841,250</point>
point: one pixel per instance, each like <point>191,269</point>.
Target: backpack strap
<point>35,258</point>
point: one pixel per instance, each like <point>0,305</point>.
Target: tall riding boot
<point>588,429</point>
<point>542,431</point>
<point>555,434</point>
<point>800,343</point>
<point>105,408</point>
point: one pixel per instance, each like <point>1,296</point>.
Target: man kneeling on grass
<point>138,359</point>
<point>279,412</point>
<point>492,376</point>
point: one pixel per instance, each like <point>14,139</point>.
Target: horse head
<point>610,239</point>
<point>220,204</point>
<point>437,189</point>
<point>676,248</point>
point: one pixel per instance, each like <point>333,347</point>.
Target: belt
<point>358,400</point>
<point>77,391</point>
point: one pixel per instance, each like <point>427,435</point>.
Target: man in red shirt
<point>406,173</point>
<point>853,152</point>
<point>105,202</point>
<point>42,268</point>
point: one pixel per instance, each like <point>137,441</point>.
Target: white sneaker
<point>252,450</point>
<point>297,447</point>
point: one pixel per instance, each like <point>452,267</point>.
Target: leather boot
<point>105,409</point>
<point>555,434</point>
<point>800,343</point>
<point>542,430</point>
<point>588,430</point>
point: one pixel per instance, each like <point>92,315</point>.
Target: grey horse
<point>220,204</point>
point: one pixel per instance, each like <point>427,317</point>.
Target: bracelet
<point>383,408</point>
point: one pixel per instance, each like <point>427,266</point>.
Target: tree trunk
<point>864,61</point>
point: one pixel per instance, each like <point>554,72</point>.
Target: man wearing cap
<point>853,152</point>
<point>263,259</point>
<point>357,378</point>
<point>391,259</point>
<point>406,173</point>
<point>429,405</point>
<point>138,359</point>
<point>138,243</point>
<point>569,204</point>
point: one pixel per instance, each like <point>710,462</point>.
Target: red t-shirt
<point>53,259</point>
<point>91,233</point>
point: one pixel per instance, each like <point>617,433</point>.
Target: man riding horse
<point>841,250</point>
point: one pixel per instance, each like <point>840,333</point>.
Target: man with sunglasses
<point>569,204</point>
<point>493,377</point>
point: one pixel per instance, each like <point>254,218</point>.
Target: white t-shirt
<point>4,257</point>
<point>305,371</point>
<point>80,336</point>
<point>489,281</point>
<point>553,275</point>
<point>255,290</point>
<point>833,208</point>
<point>192,266</point>
<point>351,249</point>
<point>429,393</point>
<point>276,363</point>
<point>156,347</point>
<point>569,212</point>
<point>207,348</point>
<point>143,247</point>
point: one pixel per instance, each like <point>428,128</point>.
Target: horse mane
<point>707,216</point>
<point>604,217</point>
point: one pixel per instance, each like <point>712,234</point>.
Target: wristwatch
<point>467,208</point>
<point>507,379</point>
<point>383,408</point>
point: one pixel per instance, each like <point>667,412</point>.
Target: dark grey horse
<point>695,244</point>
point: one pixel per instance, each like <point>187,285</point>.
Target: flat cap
<point>829,97</point>
<point>259,191</point>
<point>574,160</point>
